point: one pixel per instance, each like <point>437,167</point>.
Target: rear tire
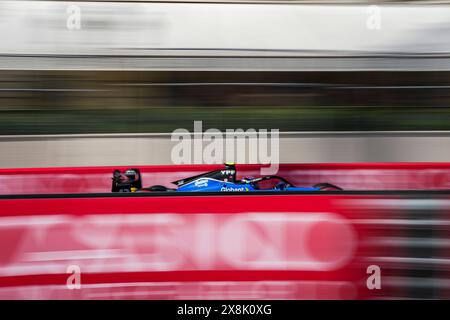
<point>327,187</point>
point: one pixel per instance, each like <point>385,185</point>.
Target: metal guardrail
<point>285,134</point>
<point>201,63</point>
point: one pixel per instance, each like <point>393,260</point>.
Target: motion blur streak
<point>169,242</point>
<point>146,67</point>
<point>211,290</point>
<point>142,30</point>
<point>25,151</point>
<point>288,246</point>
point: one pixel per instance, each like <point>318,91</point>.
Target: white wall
<point>40,27</point>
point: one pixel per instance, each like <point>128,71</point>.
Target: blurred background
<point>106,82</point>
<point>345,78</point>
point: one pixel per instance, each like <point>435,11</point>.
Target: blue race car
<point>223,180</point>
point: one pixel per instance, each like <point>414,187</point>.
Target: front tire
<point>157,188</point>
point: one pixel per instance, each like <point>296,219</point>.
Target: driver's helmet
<point>132,175</point>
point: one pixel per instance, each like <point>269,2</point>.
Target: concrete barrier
<point>155,148</point>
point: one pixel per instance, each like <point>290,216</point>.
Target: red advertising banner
<point>355,176</point>
<point>224,246</point>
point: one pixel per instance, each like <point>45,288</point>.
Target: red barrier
<point>222,246</point>
<point>355,176</point>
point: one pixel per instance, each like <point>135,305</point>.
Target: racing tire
<point>158,188</point>
<point>325,186</point>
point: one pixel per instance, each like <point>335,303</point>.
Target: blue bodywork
<point>214,185</point>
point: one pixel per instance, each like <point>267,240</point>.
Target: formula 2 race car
<point>222,180</point>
